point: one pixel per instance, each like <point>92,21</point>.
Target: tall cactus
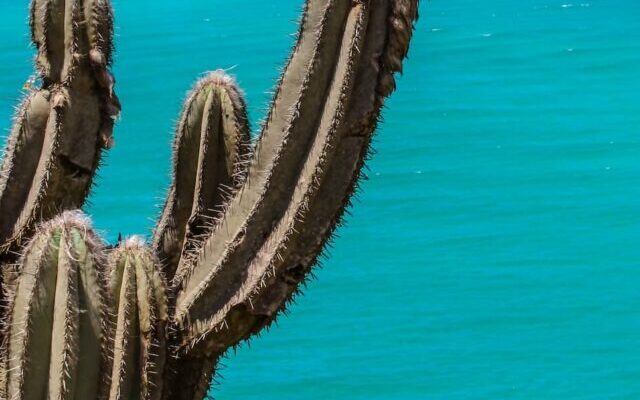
<point>242,225</point>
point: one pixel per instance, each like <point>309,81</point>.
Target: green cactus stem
<point>212,145</point>
<point>55,347</point>
<point>61,129</point>
<point>140,304</point>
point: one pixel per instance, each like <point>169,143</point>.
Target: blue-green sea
<point>494,252</point>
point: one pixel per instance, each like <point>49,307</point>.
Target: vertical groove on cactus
<point>139,348</point>
<point>57,329</point>
<point>211,147</point>
<point>55,146</point>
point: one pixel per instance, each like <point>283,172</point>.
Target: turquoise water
<point>494,252</point>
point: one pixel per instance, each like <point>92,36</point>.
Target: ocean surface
<point>494,253</point>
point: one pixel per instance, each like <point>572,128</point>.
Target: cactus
<point>240,230</point>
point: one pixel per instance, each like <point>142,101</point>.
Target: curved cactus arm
<point>211,147</point>
<point>57,335</point>
<point>140,299</point>
<point>304,170</point>
<point>61,129</point>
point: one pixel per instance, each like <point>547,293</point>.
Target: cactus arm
<point>55,146</point>
<point>251,265</point>
<point>210,149</point>
<point>21,157</point>
<point>50,341</point>
<point>94,328</point>
<point>65,30</point>
<point>297,242</point>
<point>217,274</point>
<point>153,319</point>
<point>139,348</point>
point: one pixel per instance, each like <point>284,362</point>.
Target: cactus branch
<point>306,164</point>
<point>61,129</point>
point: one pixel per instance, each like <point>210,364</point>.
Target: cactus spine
<point>240,230</point>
